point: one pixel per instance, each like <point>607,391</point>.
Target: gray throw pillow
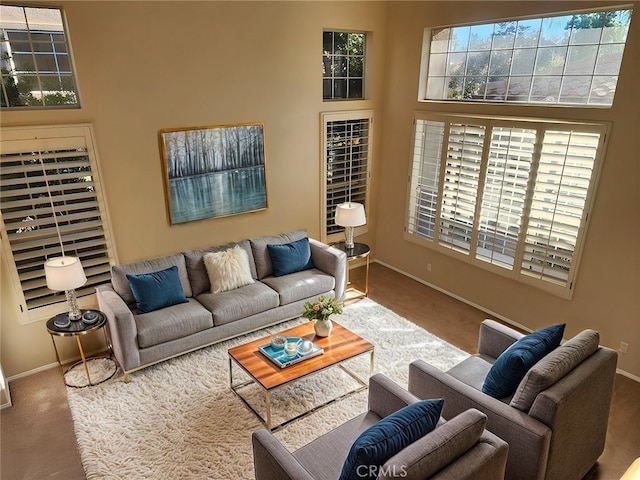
<point>553,367</point>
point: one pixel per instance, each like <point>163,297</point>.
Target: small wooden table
<point>340,346</point>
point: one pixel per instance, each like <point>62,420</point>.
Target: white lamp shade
<point>64,273</point>
<point>350,214</point>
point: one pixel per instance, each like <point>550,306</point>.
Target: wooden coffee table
<point>340,346</point>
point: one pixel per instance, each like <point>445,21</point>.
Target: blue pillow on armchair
<point>393,433</point>
<point>290,257</point>
<point>513,364</point>
<point>156,290</point>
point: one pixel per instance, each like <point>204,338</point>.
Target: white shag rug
<point>180,420</point>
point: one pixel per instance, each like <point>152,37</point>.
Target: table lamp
<point>350,215</point>
<point>66,273</point>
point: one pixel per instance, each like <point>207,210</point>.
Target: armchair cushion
<point>389,436</point>
<point>514,363</point>
<point>553,367</point>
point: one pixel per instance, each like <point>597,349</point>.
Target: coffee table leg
<point>267,401</point>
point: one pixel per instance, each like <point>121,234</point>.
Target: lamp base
<point>348,237</point>
<point>72,302</point>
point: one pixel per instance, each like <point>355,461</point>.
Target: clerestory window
<point>510,196</point>
<point>35,63</point>
<point>560,59</point>
<point>343,55</point>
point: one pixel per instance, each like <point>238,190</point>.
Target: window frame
<point>516,272</point>
<point>30,140</point>
<point>426,57</point>
<point>37,75</point>
<point>328,206</point>
<point>332,78</point>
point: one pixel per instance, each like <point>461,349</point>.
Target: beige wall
<point>144,66</point>
<point>607,289</point>
<point>152,65</point>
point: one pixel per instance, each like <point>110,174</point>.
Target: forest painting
<point>214,171</point>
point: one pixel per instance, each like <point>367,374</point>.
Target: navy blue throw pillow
<point>393,433</point>
<point>156,290</point>
<point>513,364</point>
<point>290,257</point>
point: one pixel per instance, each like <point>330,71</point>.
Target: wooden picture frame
<point>213,171</point>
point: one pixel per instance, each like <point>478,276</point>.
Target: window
<point>347,159</point>
<point>510,196</point>
<point>35,61</point>
<point>571,59</point>
<point>48,176</point>
<point>342,65</point>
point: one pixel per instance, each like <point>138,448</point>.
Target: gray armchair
<point>458,449</point>
<point>555,423</point>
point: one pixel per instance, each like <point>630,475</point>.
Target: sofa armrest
<point>528,438</point>
<point>495,338</point>
<point>386,396</point>
<point>122,327</point>
<point>331,261</point>
<point>271,461</point>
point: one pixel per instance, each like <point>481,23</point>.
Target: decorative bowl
<point>278,342</point>
<point>305,347</point>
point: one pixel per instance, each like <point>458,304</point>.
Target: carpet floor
<point>179,419</point>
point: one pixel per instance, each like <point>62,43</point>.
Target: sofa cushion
<point>389,436</point>
<point>156,290</point>
<point>553,367</point>
<point>445,444</point>
<point>121,284</point>
<point>290,257</point>
<point>261,253</point>
<point>512,365</point>
<point>198,276</point>
<point>239,303</point>
<point>300,285</point>
<point>228,269</point>
<point>172,323</point>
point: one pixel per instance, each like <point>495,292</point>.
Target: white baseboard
<point>31,372</point>
<point>480,307</point>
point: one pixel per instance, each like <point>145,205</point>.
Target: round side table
<point>359,250</point>
<point>61,326</point>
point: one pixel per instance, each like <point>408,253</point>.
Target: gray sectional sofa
<point>203,318</point>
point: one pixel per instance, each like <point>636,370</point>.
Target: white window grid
<point>343,65</point>
<point>546,60</point>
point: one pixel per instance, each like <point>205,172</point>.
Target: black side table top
<point>77,327</point>
<point>358,250</point>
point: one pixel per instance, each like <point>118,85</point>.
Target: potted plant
<point>321,311</point>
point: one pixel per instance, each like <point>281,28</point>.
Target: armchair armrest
<point>122,327</point>
<point>528,438</point>
<point>495,338</point>
<point>272,461</point>
<point>386,396</point>
<point>331,261</point>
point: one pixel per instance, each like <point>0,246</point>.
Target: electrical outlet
<point>428,267</point>
<point>624,346</point>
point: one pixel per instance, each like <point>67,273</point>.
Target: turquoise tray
<point>282,359</point>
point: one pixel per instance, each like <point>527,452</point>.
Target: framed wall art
<point>213,171</point>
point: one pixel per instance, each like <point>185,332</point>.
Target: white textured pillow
<point>228,270</point>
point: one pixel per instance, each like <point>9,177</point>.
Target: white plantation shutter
<point>425,174</point>
<point>460,189</point>
<point>562,184</point>
<point>347,150</point>
<point>513,196</point>
<point>47,172</point>
<point>503,200</point>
